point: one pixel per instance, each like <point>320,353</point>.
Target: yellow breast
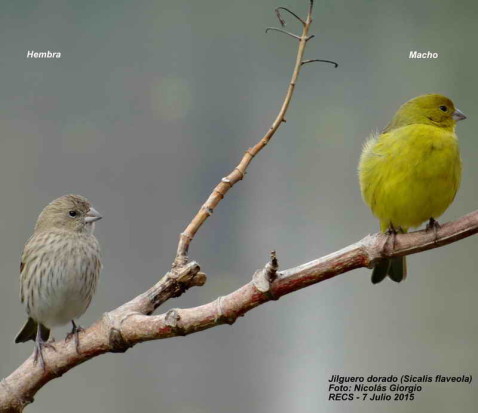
<point>410,174</point>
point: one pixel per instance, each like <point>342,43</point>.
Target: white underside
<point>62,305</point>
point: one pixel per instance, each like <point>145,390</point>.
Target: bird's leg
<point>39,345</point>
<point>391,236</point>
<point>433,225</point>
<point>75,331</point>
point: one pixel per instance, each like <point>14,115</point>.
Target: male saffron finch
<point>59,269</point>
<point>411,171</point>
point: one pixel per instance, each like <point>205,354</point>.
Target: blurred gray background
<point>150,105</point>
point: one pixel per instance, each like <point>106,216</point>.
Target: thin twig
<point>279,17</point>
<point>239,172</point>
<point>282,21</point>
<point>320,60</point>
<point>275,29</point>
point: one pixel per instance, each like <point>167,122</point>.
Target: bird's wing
<point>28,255</point>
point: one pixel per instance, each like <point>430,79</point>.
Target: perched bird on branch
<point>410,173</point>
<point>59,270</point>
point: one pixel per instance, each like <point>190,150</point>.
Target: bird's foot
<point>434,226</point>
<point>392,237</point>
<point>75,331</point>
<point>38,354</point>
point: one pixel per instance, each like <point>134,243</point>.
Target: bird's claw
<point>38,354</point>
<point>434,226</point>
<point>75,331</point>
<point>391,234</point>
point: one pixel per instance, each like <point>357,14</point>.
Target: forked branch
<point>239,171</point>
<point>124,327</point>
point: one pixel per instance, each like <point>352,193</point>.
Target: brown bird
<point>59,270</point>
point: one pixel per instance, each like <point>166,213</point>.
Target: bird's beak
<point>92,215</point>
<point>458,115</point>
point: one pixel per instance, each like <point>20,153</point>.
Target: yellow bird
<point>410,173</point>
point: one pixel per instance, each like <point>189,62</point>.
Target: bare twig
<point>282,21</point>
<point>275,29</point>
<point>319,60</point>
<point>239,172</point>
<point>262,279</point>
<point>124,327</point>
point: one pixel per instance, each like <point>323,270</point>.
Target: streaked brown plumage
<point>59,269</point>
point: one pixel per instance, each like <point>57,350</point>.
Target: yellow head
<point>68,213</point>
<point>436,110</point>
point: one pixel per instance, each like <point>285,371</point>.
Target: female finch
<point>59,269</point>
<point>410,173</point>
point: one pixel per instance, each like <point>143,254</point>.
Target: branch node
<point>250,152</point>
<point>208,210</point>
<point>220,316</point>
<point>116,341</point>
<point>181,278</point>
<point>263,279</point>
<point>198,280</point>
<point>260,282</point>
<point>179,261</point>
<point>218,192</point>
<point>242,173</point>
<point>189,237</point>
<point>185,273</point>
<point>309,37</point>
<point>172,319</point>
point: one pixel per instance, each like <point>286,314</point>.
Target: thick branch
<point>126,326</point>
<point>239,171</point>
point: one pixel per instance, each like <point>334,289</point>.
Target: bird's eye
<point>443,108</point>
<point>72,214</point>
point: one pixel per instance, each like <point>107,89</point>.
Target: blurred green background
<point>150,105</point>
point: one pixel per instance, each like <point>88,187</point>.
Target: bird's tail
<point>29,331</point>
<point>395,268</point>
